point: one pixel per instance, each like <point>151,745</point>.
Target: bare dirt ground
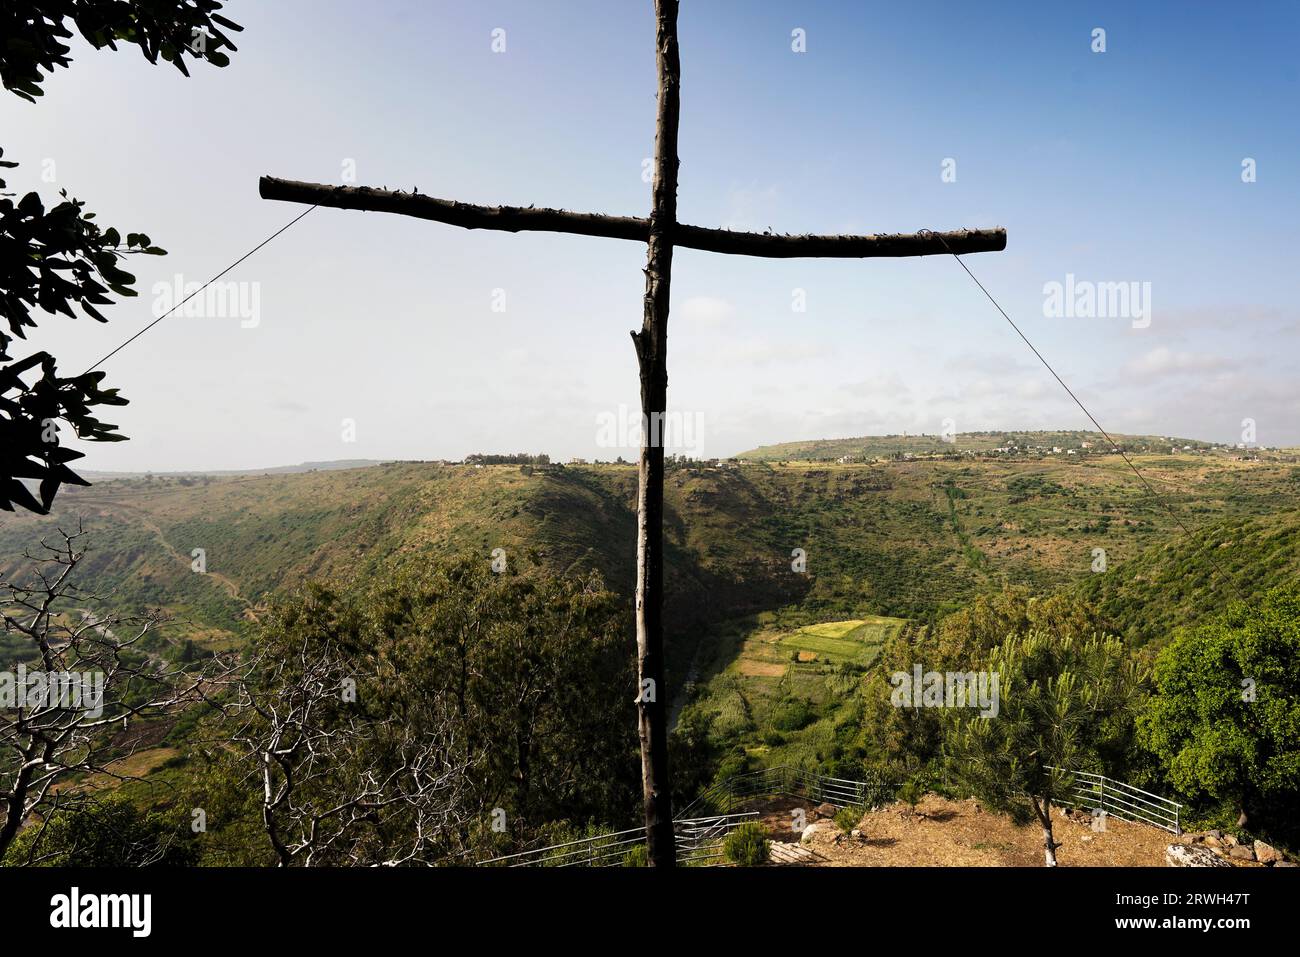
<point>944,833</point>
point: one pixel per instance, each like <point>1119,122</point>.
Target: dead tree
<point>339,787</point>
<point>78,684</point>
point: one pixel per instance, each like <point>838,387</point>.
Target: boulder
<point>1189,855</point>
<point>819,827</point>
<point>1285,864</point>
<point>1267,853</point>
<point>1242,852</point>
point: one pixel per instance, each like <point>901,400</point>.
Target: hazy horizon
<point>341,463</point>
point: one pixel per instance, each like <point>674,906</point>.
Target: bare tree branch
<point>514,219</point>
<point>325,799</point>
<point>86,680</point>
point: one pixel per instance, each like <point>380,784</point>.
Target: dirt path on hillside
<point>156,530</point>
<point>944,833</point>
<point>143,519</point>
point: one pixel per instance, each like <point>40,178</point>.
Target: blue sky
<point>1122,166</point>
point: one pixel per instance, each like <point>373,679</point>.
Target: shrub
<point>104,832</point>
<point>638,856</point>
<point>849,817</point>
<point>746,846</point>
<point>735,763</point>
<point>911,792</point>
<point>793,714</point>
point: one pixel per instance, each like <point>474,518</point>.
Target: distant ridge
<point>332,466</point>
<point>871,446</point>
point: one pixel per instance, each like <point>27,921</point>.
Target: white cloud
<point>1163,361</point>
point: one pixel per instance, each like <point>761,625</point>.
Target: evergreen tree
<point>1063,704</point>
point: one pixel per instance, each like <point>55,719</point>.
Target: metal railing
<point>700,837</point>
<point>787,781</point>
<point>1124,801</point>
<point>699,842</point>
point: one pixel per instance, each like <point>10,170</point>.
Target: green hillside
<point>901,538</point>
<point>790,585</point>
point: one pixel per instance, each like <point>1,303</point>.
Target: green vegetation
<point>902,540</point>
<point>108,831</point>
<point>1065,704</point>
<point>849,817</point>
<point>747,846</point>
<point>934,561</point>
<point>638,856</point>
<point>520,681</point>
<point>1225,719</point>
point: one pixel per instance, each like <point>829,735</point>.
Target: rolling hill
<point>898,538</point>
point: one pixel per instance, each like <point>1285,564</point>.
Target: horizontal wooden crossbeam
<point>515,219</point>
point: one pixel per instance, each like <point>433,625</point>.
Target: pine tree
<point>1063,702</point>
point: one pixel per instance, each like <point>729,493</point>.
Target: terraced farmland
<point>857,640</point>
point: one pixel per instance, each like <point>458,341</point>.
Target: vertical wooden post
<point>651,351</point>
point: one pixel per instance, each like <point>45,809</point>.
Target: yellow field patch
<point>761,669</point>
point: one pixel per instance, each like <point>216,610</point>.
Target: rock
<point>1189,855</point>
<point>856,834</point>
<point>819,827</point>
<point>826,810</point>
<point>1285,864</point>
<point>1242,852</point>
<point>1229,840</point>
<point>1266,853</point>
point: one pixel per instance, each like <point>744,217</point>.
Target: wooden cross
<point>661,232</point>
